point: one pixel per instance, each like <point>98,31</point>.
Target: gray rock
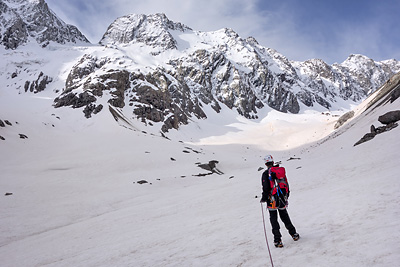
<point>365,138</point>
<point>23,136</point>
<point>76,101</point>
<point>92,109</point>
<point>390,117</point>
<point>39,84</point>
<point>379,130</point>
<point>395,94</point>
<point>211,166</point>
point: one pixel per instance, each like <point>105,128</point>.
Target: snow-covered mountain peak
<point>17,2</point>
<point>357,60</point>
<point>230,33</point>
<point>22,21</point>
<point>164,73</point>
<point>152,30</point>
<point>316,62</point>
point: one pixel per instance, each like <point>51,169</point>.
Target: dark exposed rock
<point>171,104</point>
<point>23,136</point>
<point>3,124</point>
<point>284,101</point>
<point>92,109</point>
<point>71,99</point>
<point>386,128</point>
<point>376,131</point>
<point>117,82</point>
<point>365,138</point>
<point>390,117</point>
<point>2,138</point>
<point>395,94</point>
<point>211,166</point>
<point>202,174</point>
<point>195,151</point>
<point>39,84</point>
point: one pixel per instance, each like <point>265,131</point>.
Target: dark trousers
<point>283,214</point>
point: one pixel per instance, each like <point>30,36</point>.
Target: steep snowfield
<point>76,201</point>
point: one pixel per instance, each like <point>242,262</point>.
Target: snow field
<point>75,202</point>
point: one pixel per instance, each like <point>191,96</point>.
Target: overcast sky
<point>299,29</point>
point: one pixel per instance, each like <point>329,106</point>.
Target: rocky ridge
<point>22,20</point>
<point>194,68</point>
<point>162,72</point>
<point>386,95</point>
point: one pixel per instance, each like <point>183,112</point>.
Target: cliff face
<point>166,72</point>
<point>163,72</point>
<point>22,20</point>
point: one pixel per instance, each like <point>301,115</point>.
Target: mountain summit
<point>158,70</point>
<point>152,30</point>
<point>161,72</point>
<point>21,20</point>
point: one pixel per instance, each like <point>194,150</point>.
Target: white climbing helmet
<point>268,158</point>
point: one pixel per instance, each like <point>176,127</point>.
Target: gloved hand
<point>263,199</point>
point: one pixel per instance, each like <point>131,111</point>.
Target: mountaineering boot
<point>295,236</point>
<point>278,244</point>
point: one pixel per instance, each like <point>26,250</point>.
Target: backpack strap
<point>273,183</point>
<point>280,174</point>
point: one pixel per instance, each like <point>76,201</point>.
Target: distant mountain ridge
<point>163,72</point>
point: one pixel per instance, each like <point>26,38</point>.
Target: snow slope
<point>76,201</point>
